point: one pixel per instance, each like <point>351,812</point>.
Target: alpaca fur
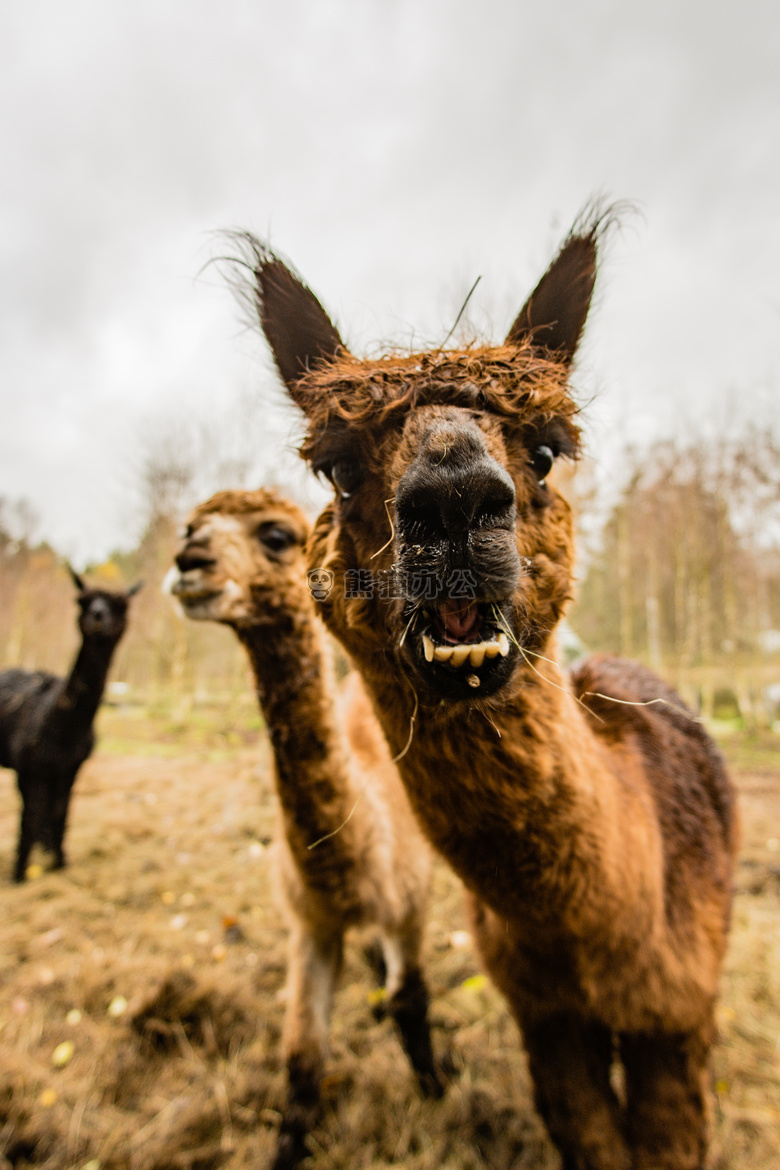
<point>590,817</point>
<point>46,723</point>
<point>349,851</point>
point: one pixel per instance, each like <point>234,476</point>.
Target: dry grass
<point>159,956</point>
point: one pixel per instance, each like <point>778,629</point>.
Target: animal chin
<point>102,629</point>
<point>462,649</point>
<point>194,593</point>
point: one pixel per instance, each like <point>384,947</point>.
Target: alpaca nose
<point>452,487</point>
<point>194,555</point>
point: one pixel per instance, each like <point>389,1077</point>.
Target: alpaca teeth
<point>474,653</point>
<point>477,655</point>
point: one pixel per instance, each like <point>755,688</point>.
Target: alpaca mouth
<point>461,633</point>
<point>190,586</point>
<point>189,596</point>
<point>462,647</point>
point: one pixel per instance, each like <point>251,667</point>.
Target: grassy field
<point>140,989</point>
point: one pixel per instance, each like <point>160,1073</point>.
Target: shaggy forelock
<point>513,382</point>
<point>239,503</point>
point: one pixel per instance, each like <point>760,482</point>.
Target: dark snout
<point>99,613</point>
<point>456,509</point>
<point>99,618</point>
<point>102,617</point>
<point>445,500</point>
<point>194,555</point>
<point>457,563</point>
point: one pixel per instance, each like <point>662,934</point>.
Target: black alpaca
<point>46,730</point>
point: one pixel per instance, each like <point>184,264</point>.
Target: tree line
<point>682,571</point>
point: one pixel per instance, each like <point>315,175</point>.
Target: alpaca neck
<point>86,682</point>
<point>295,692</point>
<point>506,790</point>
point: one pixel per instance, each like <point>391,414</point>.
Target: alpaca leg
<point>314,965</point>
<point>33,807</point>
<point>24,845</point>
<point>570,1060</point>
<point>407,1001</point>
<point>58,817</point>
<point>58,834</point>
<point>668,1102</point>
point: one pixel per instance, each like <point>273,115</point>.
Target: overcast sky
<point>394,150</point>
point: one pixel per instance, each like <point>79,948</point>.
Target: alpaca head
<point>241,559</point>
<point>102,612</point>
<point>447,541</point>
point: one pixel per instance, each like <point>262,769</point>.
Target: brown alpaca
<point>590,817</point>
<point>349,850</point>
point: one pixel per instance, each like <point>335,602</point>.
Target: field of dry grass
<point>140,988</point>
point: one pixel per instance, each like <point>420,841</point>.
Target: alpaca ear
<point>78,582</point>
<point>554,314</point>
<point>298,329</point>
<point>131,592</point>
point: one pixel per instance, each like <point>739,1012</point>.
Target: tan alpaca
<point>595,834</point>
<point>349,851</point>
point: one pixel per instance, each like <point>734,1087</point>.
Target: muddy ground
<point>140,989</point>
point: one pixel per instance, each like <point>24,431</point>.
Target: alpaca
<point>591,818</point>
<point>349,850</point>
<point>46,723</point>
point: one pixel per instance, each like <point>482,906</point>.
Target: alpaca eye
<point>542,460</point>
<point>345,475</point>
<point>274,537</point>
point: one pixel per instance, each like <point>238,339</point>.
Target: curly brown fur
<point>596,845</point>
<point>349,851</point>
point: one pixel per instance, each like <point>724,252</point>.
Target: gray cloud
<point>394,150</point>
